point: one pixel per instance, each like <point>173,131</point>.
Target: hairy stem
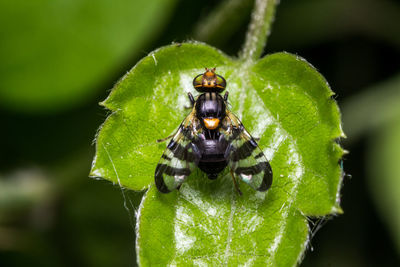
<point>223,21</point>
<point>259,29</point>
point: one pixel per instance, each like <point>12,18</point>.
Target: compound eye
<point>198,81</point>
<point>221,83</point>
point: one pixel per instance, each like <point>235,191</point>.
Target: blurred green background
<point>59,58</point>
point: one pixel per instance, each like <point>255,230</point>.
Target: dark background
<point>52,214</point>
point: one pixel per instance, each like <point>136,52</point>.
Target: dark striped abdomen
<point>213,155</point>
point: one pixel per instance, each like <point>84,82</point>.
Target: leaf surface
<point>383,173</point>
<point>280,99</point>
<point>55,53</point>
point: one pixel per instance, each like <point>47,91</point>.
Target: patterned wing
<point>246,159</point>
<point>180,157</point>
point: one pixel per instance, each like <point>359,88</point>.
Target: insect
<point>212,138</point>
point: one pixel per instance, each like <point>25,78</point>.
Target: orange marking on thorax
<point>212,123</point>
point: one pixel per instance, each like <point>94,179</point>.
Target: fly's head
<point>209,81</point>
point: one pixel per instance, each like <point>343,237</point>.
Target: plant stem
<point>259,29</point>
<point>223,21</point>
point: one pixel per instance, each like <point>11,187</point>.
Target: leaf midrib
<point>230,226</point>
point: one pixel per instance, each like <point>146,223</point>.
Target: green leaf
<point>54,54</point>
<point>282,100</point>
<point>384,175</point>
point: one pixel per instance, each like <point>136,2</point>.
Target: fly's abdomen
<point>213,156</point>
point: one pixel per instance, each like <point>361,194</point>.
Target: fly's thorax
<point>210,110</point>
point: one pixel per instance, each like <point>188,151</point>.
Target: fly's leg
<point>235,183</point>
<point>226,96</point>
<point>165,139</point>
<point>191,98</point>
<point>192,101</point>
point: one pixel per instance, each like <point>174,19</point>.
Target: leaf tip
<point>337,210</point>
<point>95,172</point>
<point>103,103</point>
